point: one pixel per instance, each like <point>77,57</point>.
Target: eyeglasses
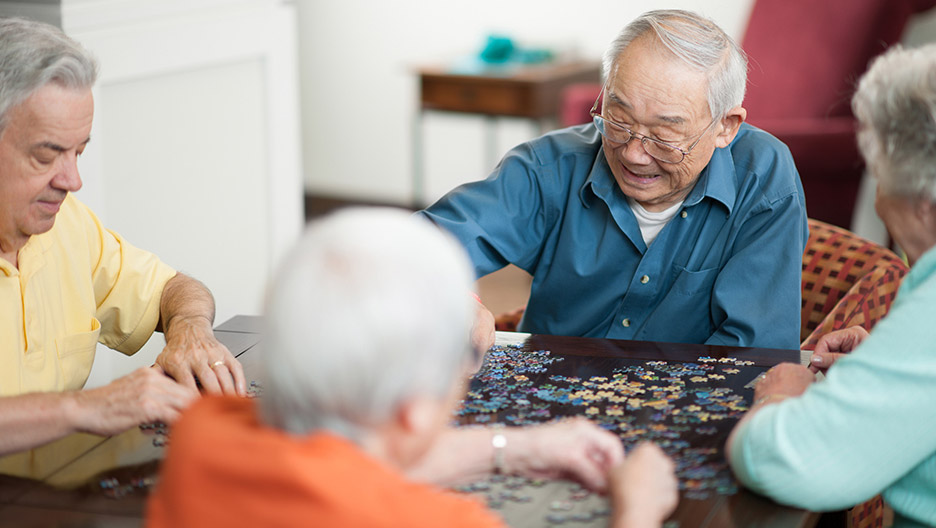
<point>660,150</point>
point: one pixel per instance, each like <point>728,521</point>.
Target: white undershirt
<point>651,223</point>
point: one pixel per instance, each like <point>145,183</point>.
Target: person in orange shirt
<point>365,357</point>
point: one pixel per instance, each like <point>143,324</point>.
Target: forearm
<point>186,316</point>
<point>458,455</point>
<point>811,451</point>
<point>31,420</point>
<point>758,404</point>
<point>185,298</point>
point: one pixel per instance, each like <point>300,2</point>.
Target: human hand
<point>193,352</point>
<point>482,332</point>
<point>574,448</point>
<point>784,380</point>
<point>145,395</point>
<point>834,345</point>
<point>777,384</point>
<point>644,489</point>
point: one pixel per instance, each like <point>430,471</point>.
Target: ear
<point>925,211</point>
<point>728,129</point>
<point>418,415</point>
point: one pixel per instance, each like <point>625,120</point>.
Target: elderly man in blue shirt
<point>666,219</point>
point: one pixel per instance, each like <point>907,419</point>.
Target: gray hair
<point>896,109</point>
<point>698,42</point>
<point>33,54</point>
<point>371,308</point>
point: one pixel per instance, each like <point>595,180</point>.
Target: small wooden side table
<point>530,92</point>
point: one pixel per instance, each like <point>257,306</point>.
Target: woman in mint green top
<point>870,426</point>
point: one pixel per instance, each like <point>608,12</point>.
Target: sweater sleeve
<point>862,429</point>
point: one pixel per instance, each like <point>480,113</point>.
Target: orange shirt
<point>226,468</point>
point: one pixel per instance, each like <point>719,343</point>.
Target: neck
<point>392,446</point>
<point>9,248</point>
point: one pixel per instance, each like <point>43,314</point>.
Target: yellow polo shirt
<point>77,284</point>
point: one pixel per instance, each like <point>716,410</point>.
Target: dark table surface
<point>662,392</point>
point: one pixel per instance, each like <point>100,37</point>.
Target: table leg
<point>418,195</point>
<point>491,156</point>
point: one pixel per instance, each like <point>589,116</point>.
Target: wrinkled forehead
<point>649,79</point>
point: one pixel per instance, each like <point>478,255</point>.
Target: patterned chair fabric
<point>847,281</point>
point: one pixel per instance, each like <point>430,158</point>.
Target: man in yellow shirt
<point>67,283</point>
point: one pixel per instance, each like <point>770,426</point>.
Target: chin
<point>40,227</point>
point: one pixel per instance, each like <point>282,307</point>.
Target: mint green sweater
<point>868,428</point>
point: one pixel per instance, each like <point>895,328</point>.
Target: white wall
<point>195,145</point>
<point>356,59</point>
<point>921,29</point>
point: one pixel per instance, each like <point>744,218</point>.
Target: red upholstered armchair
<point>805,58</point>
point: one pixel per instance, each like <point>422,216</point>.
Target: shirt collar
<point>599,181</point>
<point>724,189</point>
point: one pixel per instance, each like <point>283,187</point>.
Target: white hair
<point>895,104</point>
<point>371,308</point>
<point>34,54</point>
<point>698,42</point>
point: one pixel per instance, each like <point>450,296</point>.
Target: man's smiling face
<point>653,93</point>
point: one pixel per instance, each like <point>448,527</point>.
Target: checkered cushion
<point>846,281</point>
<point>869,514</point>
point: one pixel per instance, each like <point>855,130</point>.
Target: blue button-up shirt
<point>725,270</point>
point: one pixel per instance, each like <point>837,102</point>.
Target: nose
<point>67,177</point>
<point>634,152</point>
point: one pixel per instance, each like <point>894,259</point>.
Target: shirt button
<point>645,279</point>
<point>626,323</point>
<point>684,214</point>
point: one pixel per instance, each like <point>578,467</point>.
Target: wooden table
<point>85,480</point>
<point>530,92</point>
<point>579,361</point>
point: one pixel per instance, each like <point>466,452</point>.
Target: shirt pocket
<point>76,355</point>
<point>690,282</point>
